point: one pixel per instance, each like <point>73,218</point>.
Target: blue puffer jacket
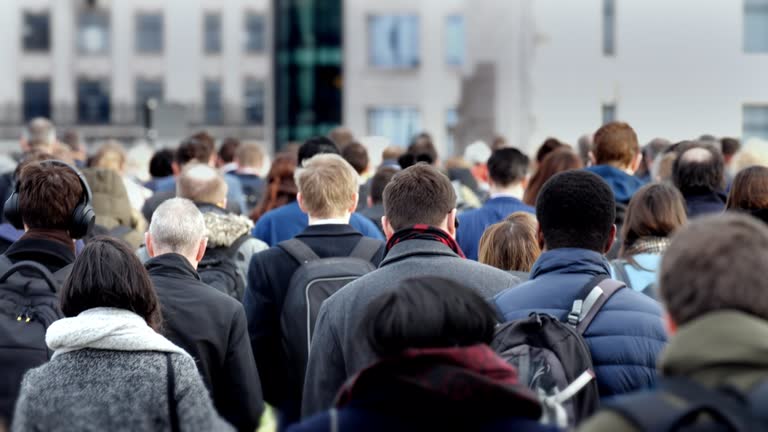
<point>625,337</point>
<point>474,222</point>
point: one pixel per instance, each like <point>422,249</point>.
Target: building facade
<point>94,64</point>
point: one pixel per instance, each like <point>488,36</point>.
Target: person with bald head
<point>699,173</point>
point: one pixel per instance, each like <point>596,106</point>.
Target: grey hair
<point>177,226</point>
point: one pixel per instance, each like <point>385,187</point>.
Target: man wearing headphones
<point>52,203</point>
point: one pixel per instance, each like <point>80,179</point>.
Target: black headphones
<point>83,216</point>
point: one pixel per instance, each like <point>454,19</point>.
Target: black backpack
<point>219,269</point>
<point>679,404</point>
<point>28,305</point>
<point>553,359</point>
<point>315,280</point>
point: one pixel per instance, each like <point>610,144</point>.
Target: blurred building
<point>93,64</point>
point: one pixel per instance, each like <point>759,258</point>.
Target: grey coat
<point>105,390</point>
<point>338,351</point>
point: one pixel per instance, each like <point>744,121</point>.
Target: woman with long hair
<point>559,160</point>
<point>280,188</point>
<point>749,192</point>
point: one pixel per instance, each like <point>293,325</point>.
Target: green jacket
<point>707,351</point>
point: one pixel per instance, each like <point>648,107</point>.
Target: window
<point>609,27</point>
<point>393,41</point>
<point>93,32</point>
<point>396,123</point>
<point>254,33</point>
<point>756,26</point>
<point>254,101</point>
<point>212,33</point>
<point>37,99</point>
<point>93,101</point>
<point>212,101</point>
<point>755,122</point>
<point>149,33</point>
<point>147,89</point>
<point>454,40</point>
<point>37,32</point>
<point>609,113</point>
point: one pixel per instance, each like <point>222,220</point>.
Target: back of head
<point>280,188</point>
<point>316,145</point>
<point>729,146</point>
<point>420,194</point>
<point>391,153</point>
<point>423,149</point>
<point>108,274</point>
<point>655,147</point>
<point>177,227</point>
<point>655,210</point>
<point>548,146</point>
<point>477,153</point>
<point>328,186</point>
<point>341,136</point>
<point>511,244</point>
<point>110,198</point>
<point>250,155</point>
<point>48,195</point>
<point>40,135</point>
<point>428,312</point>
<point>560,160</point>
<point>161,164</point>
<point>111,155</point>
<point>228,149</point>
<point>720,256</point>
<point>202,184</point>
<point>699,169</point>
<point>357,156</point>
<point>753,152</point>
<point>749,192</point>
<point>379,181</point>
<point>507,166</point>
<point>193,150</point>
<point>71,138</point>
<point>576,209</point>
<point>615,144</point>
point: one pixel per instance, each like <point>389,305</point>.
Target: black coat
<point>211,326</point>
<point>268,278</point>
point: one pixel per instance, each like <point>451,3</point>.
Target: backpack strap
<point>366,249</point>
<point>173,415</point>
<point>234,248</point>
<point>591,299</point>
<point>31,265</point>
<point>298,250</point>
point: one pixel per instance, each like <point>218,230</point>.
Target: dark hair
<point>428,312</point>
<point>161,164</point>
<point>507,166</point>
<point>548,146</point>
<point>193,149</point>
<point>423,149</point>
<point>713,265</point>
<point>379,181</point>
<point>699,175</point>
<point>562,159</point>
<point>749,192</point>
<point>357,156</point>
<point>48,195</point>
<point>420,194</point>
<point>228,149</point>
<point>656,210</point>
<point>576,209</point>
<point>408,160</point>
<point>108,274</point>
<point>650,151</point>
<point>615,142</point>
<point>729,146</point>
<point>280,188</point>
<point>315,146</point>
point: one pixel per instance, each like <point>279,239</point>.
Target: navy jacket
<point>622,184</point>
<point>473,223</point>
<point>625,337</point>
<point>704,204</point>
<point>286,222</point>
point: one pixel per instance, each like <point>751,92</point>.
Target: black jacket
<point>211,326</point>
<point>25,349</point>
<point>268,278</point>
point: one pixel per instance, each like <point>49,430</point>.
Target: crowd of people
<point>606,286</point>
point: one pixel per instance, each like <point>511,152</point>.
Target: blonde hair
<point>111,155</point>
<point>202,184</point>
<point>511,244</point>
<point>250,155</point>
<point>754,152</point>
<point>327,184</point>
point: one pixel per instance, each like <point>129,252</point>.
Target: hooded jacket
<point>113,207</point>
<point>626,335</point>
<point>622,184</point>
<point>740,359</point>
<point>466,388</point>
<point>109,372</point>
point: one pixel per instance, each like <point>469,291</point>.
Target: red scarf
<point>425,232</point>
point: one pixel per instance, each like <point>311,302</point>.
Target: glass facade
<point>755,119</point>
<point>393,41</point>
<point>756,26</point>
<point>37,99</point>
<point>149,33</point>
<point>399,124</point>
